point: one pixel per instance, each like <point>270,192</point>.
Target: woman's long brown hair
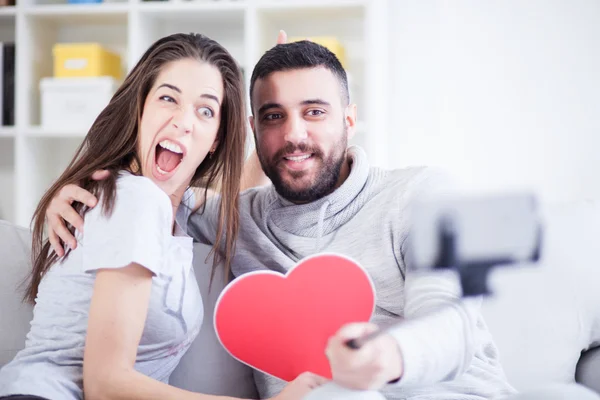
<point>111,144</point>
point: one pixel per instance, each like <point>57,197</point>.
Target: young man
<point>324,196</point>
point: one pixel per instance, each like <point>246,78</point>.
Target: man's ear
<point>350,120</point>
<point>251,120</point>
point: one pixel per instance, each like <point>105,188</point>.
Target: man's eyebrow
<point>315,101</point>
<point>268,106</point>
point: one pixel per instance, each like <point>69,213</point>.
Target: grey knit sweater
<point>447,350</point>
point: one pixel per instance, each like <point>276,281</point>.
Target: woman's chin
<point>172,183</point>
<point>161,175</point>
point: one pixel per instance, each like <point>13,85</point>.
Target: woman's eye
<point>206,112</point>
<point>167,98</point>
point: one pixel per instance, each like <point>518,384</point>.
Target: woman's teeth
<point>160,171</point>
<point>174,147</point>
<point>298,158</point>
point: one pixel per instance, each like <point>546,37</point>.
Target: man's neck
<point>344,173</point>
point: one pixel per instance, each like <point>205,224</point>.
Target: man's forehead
<point>293,87</point>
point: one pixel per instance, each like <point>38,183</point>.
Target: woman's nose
<point>183,120</point>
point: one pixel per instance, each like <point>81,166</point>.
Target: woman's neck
<point>175,198</point>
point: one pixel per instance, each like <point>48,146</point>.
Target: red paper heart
<point>280,324</point>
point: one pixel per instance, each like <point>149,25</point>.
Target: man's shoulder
<point>251,195</point>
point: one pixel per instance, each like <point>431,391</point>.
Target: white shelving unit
<point>31,156</point>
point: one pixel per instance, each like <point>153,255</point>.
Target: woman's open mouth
<point>168,156</point>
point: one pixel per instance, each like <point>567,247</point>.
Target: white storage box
<point>73,104</point>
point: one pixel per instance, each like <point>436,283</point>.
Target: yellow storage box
<point>330,42</point>
<point>72,60</point>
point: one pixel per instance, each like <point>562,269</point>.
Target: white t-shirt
<point>139,230</point>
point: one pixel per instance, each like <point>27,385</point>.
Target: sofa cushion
<point>542,316</point>
<point>15,244</point>
<point>207,367</point>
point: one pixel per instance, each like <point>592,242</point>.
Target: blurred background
<point>504,94</point>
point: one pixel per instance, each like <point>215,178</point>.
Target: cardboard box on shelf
<point>74,103</point>
<point>85,60</point>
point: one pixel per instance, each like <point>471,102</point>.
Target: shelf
<point>188,12</point>
<point>7,131</point>
<point>41,132</point>
<point>225,24</point>
<point>80,14</point>
<point>297,8</point>
<point>7,11</point>
<point>215,9</point>
<point>37,154</point>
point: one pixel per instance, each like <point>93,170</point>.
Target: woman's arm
<point>116,321</point>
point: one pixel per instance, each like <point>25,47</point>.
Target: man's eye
<point>315,113</point>
<point>206,112</point>
<point>271,117</point>
<point>167,98</point>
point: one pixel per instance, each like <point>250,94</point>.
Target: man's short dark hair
<point>300,55</point>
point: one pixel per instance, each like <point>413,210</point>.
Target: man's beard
<point>325,181</point>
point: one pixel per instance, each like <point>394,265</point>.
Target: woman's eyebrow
<point>203,95</point>
<point>211,97</point>
<point>172,87</point>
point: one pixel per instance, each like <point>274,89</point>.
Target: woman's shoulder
<point>134,228</point>
<point>140,192</point>
<point>137,199</point>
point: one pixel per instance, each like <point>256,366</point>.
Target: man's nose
<point>295,130</point>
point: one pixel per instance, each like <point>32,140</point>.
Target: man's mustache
<point>290,148</point>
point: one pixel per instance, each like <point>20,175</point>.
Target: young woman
<point>113,317</point>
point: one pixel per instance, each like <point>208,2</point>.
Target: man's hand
<point>371,367</point>
<point>60,210</point>
<point>300,387</point>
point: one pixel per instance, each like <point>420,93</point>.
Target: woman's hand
<point>300,387</point>
<point>281,37</point>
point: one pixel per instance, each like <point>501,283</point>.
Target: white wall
<point>504,93</point>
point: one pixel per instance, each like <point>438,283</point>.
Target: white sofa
<point>542,316</point>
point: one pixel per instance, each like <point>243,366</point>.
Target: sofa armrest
<point>588,369</point>
<point>15,243</point>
